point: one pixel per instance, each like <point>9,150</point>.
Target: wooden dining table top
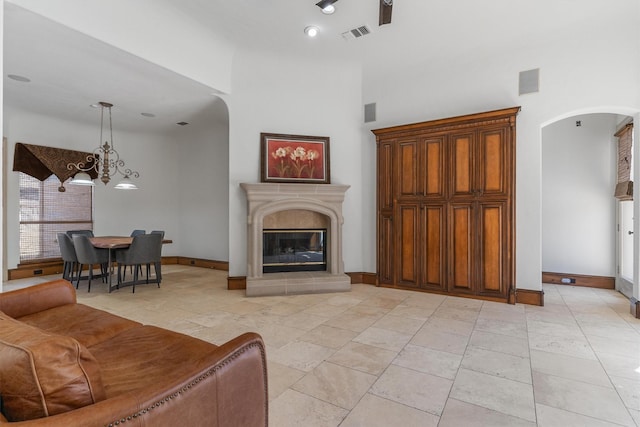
<point>115,242</point>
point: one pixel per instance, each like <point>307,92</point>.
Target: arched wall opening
<point>579,214</point>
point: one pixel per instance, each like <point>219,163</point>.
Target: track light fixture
<point>327,6</point>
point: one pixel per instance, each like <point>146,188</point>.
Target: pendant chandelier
<point>105,160</point>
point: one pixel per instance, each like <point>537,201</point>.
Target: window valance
<point>41,162</point>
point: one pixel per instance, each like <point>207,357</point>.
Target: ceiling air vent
<point>356,33</point>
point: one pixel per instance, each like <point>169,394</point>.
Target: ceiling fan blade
<point>385,12</point>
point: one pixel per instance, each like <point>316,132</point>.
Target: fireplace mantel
<point>267,198</point>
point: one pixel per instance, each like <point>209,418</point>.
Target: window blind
<point>45,211</point>
<point>624,185</point>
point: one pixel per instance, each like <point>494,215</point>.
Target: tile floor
<point>384,357</point>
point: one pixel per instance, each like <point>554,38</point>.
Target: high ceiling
<point>441,30</point>
<point>69,70</point>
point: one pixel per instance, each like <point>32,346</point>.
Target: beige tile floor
<point>384,357</point>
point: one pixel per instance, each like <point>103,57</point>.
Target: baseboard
<point>366,278</point>
<point>204,263</point>
<point>635,308</point>
<point>601,282</point>
<point>35,269</point>
<point>235,283</point>
<point>531,297</point>
<point>48,268</point>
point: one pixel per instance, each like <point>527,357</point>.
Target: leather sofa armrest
<point>226,388</point>
<point>34,299</point>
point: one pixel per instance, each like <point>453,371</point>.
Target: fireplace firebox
<point>286,250</point>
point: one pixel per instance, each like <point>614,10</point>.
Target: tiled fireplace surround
<point>275,205</point>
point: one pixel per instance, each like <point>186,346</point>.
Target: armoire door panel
<point>385,175</point>
<point>493,243</point>
<point>462,164</point>
<point>386,256</point>
<point>409,215</point>
<point>433,250</point>
<point>408,168</point>
<point>433,166</point>
<point>461,252</point>
<point>493,162</point>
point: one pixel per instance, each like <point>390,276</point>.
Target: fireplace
<point>295,207</point>
<point>293,250</point>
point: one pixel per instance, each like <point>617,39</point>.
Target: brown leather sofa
<point>68,364</point>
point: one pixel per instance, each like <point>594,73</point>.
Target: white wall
<point>203,196</point>
<point>581,73</point>
<point>578,207</point>
<point>293,96</point>
<point>166,196</point>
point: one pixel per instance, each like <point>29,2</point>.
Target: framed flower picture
<point>294,158</point>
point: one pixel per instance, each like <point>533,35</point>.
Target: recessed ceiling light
<point>182,123</point>
<point>328,10</point>
<point>18,78</point>
<point>94,105</point>
<point>311,31</point>
<point>148,114</point>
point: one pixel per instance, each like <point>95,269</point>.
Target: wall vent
<point>529,81</point>
<point>370,112</point>
<point>356,33</point>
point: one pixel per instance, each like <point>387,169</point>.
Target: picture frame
<point>294,158</point>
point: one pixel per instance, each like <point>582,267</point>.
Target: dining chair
<point>89,255</point>
<point>72,233</point>
<point>135,233</point>
<point>144,249</point>
<point>160,232</point>
<point>69,258</point>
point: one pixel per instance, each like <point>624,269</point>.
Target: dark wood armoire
<point>446,205</point>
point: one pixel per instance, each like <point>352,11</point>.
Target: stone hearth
<point>264,199</point>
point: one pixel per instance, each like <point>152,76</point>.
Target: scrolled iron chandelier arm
<point>91,159</point>
<point>130,173</point>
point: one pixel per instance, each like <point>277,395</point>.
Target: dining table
<point>112,243</point>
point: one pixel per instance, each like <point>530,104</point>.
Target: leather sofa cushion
<point>139,357</point>
<point>86,324</point>
<point>33,299</point>
<point>42,373</point>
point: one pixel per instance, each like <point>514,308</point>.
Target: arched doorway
<point>582,223</point>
